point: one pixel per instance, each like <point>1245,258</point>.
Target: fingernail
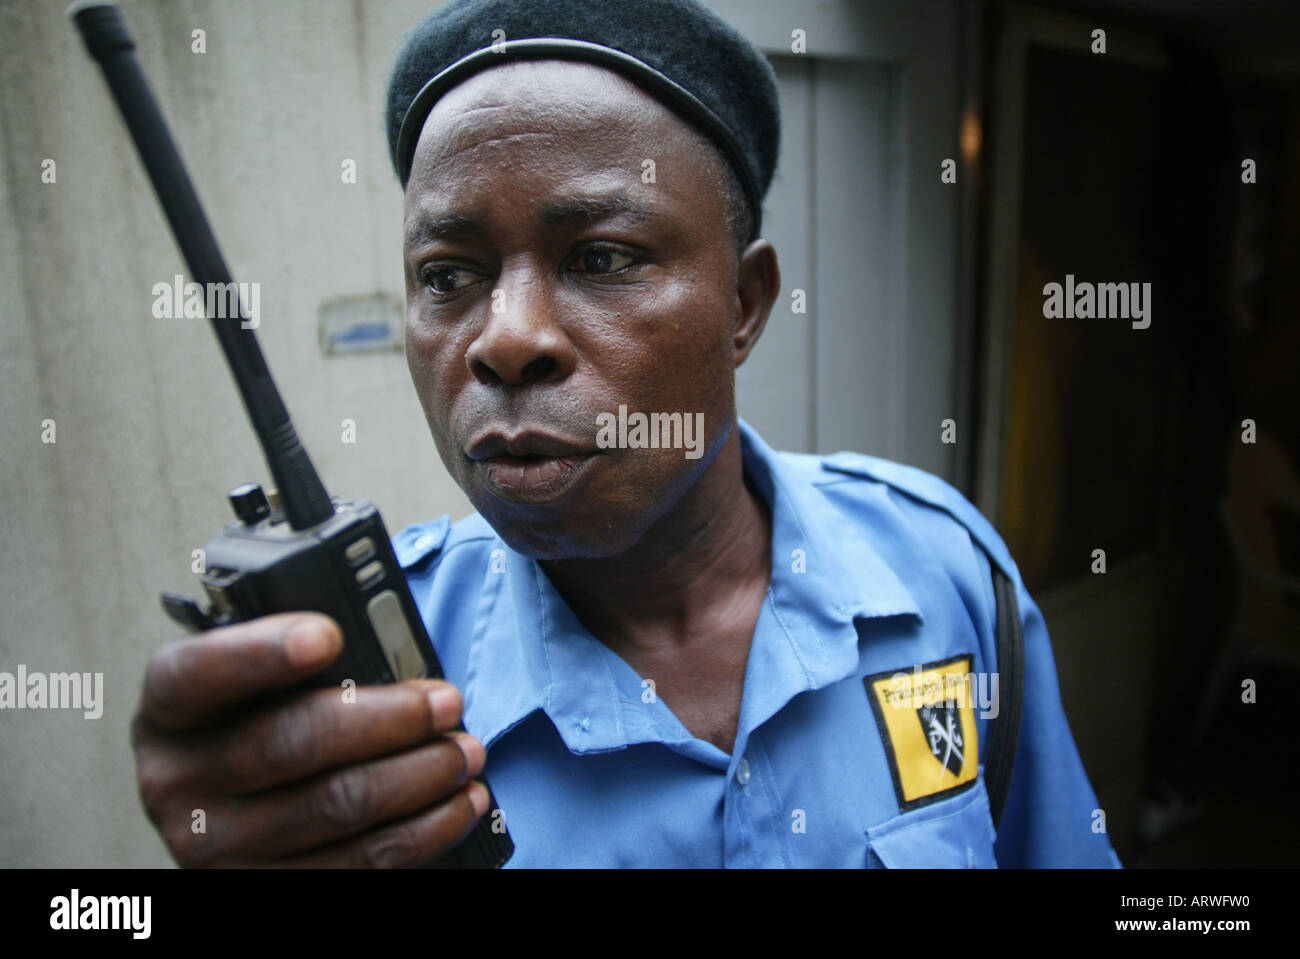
<point>478,798</point>
<point>473,750</point>
<point>445,710</point>
<point>307,641</point>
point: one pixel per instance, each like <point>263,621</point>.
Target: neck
<point>715,543</point>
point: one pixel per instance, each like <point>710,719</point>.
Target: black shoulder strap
<point>1001,758</point>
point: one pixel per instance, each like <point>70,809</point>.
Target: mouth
<point>529,468</point>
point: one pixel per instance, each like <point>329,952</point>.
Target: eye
<point>601,260</point>
<point>445,278</point>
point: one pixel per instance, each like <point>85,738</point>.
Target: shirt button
<point>742,772</point>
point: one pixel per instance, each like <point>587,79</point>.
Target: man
<point>679,648</point>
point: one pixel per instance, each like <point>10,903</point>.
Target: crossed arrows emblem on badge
<point>940,725</point>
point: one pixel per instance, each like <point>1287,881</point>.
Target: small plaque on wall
<point>357,324</point>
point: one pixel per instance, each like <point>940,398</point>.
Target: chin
<point>580,536</point>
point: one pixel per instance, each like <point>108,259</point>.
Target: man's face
<point>552,275</point>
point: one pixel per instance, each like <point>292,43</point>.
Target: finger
<point>414,841</point>
<point>191,680</point>
<point>320,731</point>
<point>347,802</point>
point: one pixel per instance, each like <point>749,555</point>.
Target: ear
<point>758,282</point>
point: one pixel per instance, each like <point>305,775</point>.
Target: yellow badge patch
<point>927,720</point>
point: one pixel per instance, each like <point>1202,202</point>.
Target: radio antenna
<point>302,494</point>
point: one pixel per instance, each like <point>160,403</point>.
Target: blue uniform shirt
<point>879,572</point>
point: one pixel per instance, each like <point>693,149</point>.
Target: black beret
<point>681,52</point>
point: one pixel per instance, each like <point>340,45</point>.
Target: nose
<point>522,341</point>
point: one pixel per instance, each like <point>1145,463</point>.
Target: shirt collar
<point>530,652</point>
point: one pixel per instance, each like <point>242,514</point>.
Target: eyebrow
<point>426,228</point>
<point>594,208</point>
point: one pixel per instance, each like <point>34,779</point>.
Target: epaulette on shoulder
<point>415,545</point>
<point>931,490</point>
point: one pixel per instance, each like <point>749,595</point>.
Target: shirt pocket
<point>954,833</point>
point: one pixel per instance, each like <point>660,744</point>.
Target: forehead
<point>568,117</point>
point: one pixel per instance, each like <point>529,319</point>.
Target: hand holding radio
<point>238,766</point>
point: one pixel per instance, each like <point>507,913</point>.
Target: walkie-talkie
<point>300,550</point>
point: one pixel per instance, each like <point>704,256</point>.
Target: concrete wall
<point>149,434</point>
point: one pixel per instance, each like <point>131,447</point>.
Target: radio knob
<point>249,504</point>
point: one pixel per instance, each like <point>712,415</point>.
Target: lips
<point>530,468</point>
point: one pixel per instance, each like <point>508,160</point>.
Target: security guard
<point>879,573</point>
<point>715,655</point>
